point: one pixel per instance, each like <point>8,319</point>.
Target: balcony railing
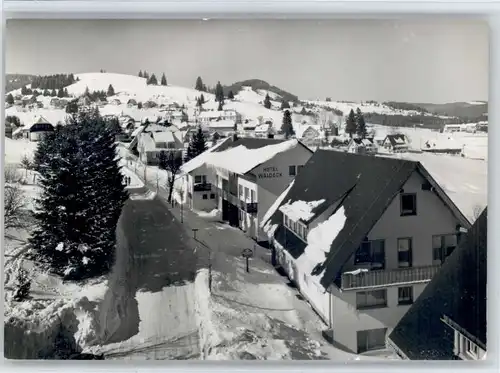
<point>250,207</point>
<point>231,198</point>
<point>388,277</point>
<point>202,187</point>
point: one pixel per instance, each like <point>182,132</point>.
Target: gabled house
<point>310,135</point>
<point>39,128</point>
<point>208,116</point>
<point>131,102</point>
<point>177,116</point>
<point>361,237</point>
<point>83,101</point>
<point>115,101</point>
<point>149,104</point>
<point>448,320</point>
<point>247,175</point>
<point>223,127</point>
<point>155,139</point>
<point>362,146</point>
<point>396,143</point>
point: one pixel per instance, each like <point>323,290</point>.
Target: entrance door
<point>372,339</point>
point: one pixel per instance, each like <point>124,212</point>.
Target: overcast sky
<point>417,61</point>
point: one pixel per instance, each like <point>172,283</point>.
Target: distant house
<point>149,104</point>
<point>362,244</point>
<point>362,146</point>
<point>18,102</point>
<point>154,140</point>
<point>263,130</point>
<point>131,102</point>
<point>127,123</point>
<point>222,127</point>
<point>176,116</point>
<point>310,135</point>
<point>101,101</point>
<point>9,129</point>
<point>115,101</point>
<point>193,129</point>
<point>448,320</point>
<point>396,143</point>
<point>84,101</point>
<point>442,147</point>
<point>39,129</point>
<point>209,116</point>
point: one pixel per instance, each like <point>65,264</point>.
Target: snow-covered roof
<point>300,210</point>
<point>262,128</point>
<point>137,131</point>
<point>166,136</point>
<point>201,159</point>
<point>210,114</point>
<point>241,160</point>
<point>222,124</point>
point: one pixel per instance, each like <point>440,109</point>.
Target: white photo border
<point>289,9</point>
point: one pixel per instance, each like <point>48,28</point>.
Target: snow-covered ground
<point>15,150</point>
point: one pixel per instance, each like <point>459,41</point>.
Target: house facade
<point>310,135</point>
<point>39,129</point>
<point>386,234</point>
<point>208,116</point>
<point>448,322</point>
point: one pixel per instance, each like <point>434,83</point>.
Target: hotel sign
<point>269,173</point>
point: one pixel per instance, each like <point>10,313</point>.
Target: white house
<point>154,140</point>
<point>208,116</point>
<point>361,146</point>
<point>361,237</point>
<point>448,321</point>
<point>396,143</point>
<point>247,175</point>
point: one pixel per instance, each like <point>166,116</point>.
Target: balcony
<point>381,278</point>
<point>230,197</point>
<point>202,187</point>
<point>250,207</point>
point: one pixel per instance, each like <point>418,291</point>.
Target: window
<point>292,170</point>
<point>404,252</point>
<point>371,299</point>
<point>471,349</point>
<point>200,179</point>
<point>371,252</point>
<point>369,340</point>
<point>246,193</point>
<point>241,190</point>
<point>405,295</point>
<point>408,204</point>
<point>252,196</point>
<point>299,168</point>
<point>205,196</point>
<point>442,246</point>
<point>212,195</point>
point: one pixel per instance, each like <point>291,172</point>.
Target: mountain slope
<point>256,85</point>
<point>458,109</point>
<point>16,81</point>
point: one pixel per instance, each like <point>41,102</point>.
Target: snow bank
<point>148,195</point>
<point>203,311</point>
<point>300,210</point>
<point>211,214</point>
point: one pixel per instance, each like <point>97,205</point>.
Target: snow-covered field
<point>15,150</point>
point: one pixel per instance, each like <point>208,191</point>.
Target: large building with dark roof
<point>448,320</point>
<point>361,237</point>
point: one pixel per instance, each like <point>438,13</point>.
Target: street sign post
<point>247,254</point>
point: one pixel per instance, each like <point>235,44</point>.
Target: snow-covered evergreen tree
<point>196,146</point>
<point>350,124</point>
<point>163,79</point>
<point>287,126</point>
<point>267,102</point>
<point>360,124</point>
<point>111,91</point>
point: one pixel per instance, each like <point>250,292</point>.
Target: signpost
<point>247,254</point>
<point>194,232</point>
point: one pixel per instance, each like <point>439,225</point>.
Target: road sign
<point>247,254</point>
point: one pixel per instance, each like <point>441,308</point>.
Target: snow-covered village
<point>146,218</point>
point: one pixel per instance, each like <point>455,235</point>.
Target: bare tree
<point>14,207</point>
<point>11,175</point>
<point>170,162</point>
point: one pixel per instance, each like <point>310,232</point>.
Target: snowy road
<point>148,312</point>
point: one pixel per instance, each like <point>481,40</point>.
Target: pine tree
<point>215,138</point>
<point>219,92</point>
<point>287,126</point>
<point>267,102</point>
<point>285,105</point>
<point>139,105</point>
<point>10,99</point>
<point>202,99</point>
<point>66,93</point>
<point>230,95</point>
<point>46,92</point>
<point>87,92</point>
<point>350,124</point>
<point>360,124</point>
<point>199,86</point>
<point>221,105</point>
<point>145,75</point>
<point>60,93</point>
<point>196,146</point>
<point>24,90</point>
<point>140,74</point>
<point>152,80</point>
<point>163,79</point>
<point>72,107</point>
<point>82,197</point>
<point>111,91</point>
